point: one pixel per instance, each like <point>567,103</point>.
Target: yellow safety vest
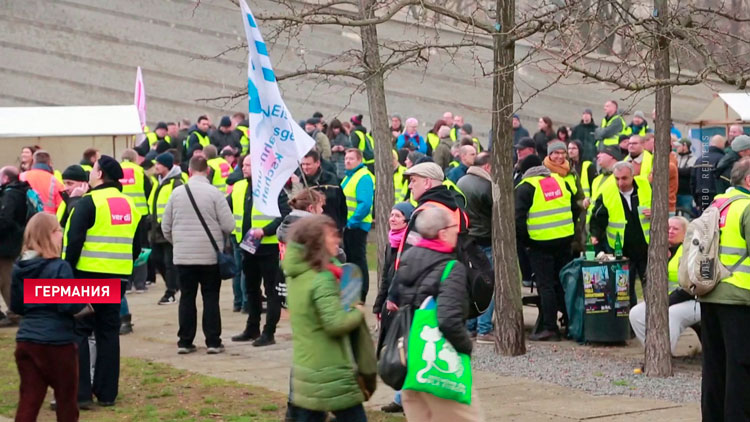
<point>132,185</point>
<point>617,221</point>
<point>238,209</point>
<point>453,164</point>
<point>452,186</point>
<point>202,139</point>
<point>646,164</point>
<point>585,182</point>
<point>222,170</point>
<point>244,140</point>
<point>362,146</point>
<point>400,186</point>
<point>732,247</point>
<point>454,134</point>
<point>58,175</point>
<point>433,140</point>
<point>477,144</point>
<point>673,269</point>
<point>153,139</point>
<point>156,205</point>
<point>349,185</point>
<point>614,140</point>
<point>570,179</point>
<point>108,247</point>
<point>642,132</point>
<point>87,168</point>
<point>550,216</point>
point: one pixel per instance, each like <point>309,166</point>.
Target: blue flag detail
<point>268,75</point>
<point>261,47</point>
<point>253,98</point>
<point>251,21</point>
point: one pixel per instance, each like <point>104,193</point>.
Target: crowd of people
<point>186,193</point>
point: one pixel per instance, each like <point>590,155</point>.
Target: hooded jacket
<point>12,218</point>
<point>323,373</point>
<point>42,323</point>
<point>419,277</point>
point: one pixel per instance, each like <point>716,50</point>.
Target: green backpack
<point>433,365</point>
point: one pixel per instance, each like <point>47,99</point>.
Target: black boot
<point>126,327</point>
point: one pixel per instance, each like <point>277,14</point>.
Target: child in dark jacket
<point>46,352</point>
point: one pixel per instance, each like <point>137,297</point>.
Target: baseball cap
<point>426,170</point>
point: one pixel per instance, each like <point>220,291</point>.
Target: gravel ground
<point>592,370</point>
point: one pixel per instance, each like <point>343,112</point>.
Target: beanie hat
<point>318,115</point>
<point>467,128</point>
<point>556,146</point>
<point>741,143</point>
<point>166,159</point>
<point>225,122</point>
<point>161,125</point>
<point>75,172</point>
<point>404,208</point>
<point>110,167</point>
<point>588,111</point>
<point>357,120</point>
<point>414,156</point>
<point>639,114</point>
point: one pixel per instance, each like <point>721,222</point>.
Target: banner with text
<point>277,142</point>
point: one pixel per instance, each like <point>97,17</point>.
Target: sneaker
<point>546,335</point>
<point>215,350</point>
<point>82,405</point>
<point>140,291</point>
<point>167,300</point>
<point>488,338</point>
<point>264,340</point>
<point>105,403</point>
<point>392,407</point>
<point>246,336</point>
<point>186,350</point>
<point>526,283</point>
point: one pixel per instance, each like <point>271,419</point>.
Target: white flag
<point>277,142</point>
<point>139,99</point>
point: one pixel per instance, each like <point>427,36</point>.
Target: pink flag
<point>139,99</point>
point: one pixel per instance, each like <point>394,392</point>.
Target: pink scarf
<point>395,237</point>
<point>436,245</point>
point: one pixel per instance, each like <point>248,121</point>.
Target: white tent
<point>727,108</point>
<point>66,131</point>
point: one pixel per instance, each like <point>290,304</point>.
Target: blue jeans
<point>238,282</point>
<point>484,321</point>
<point>397,398</point>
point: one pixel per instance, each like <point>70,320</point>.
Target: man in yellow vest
<point>359,190</point>
<point>725,311</point>
<point>623,209</point>
<point>219,168</point>
<point>545,223</point>
<point>362,140</point>
<point>684,311</point>
<point>642,160</point>
<point>198,136</point>
<point>240,128</point>
<point>261,265</point>
<point>613,125</point>
<point>137,186</point>
<point>101,241</point>
<point>76,184</point>
<point>639,125</point>
<point>169,176</point>
<point>400,184</point>
<point>158,135</point>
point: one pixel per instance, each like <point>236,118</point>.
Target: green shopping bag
<point>433,365</point>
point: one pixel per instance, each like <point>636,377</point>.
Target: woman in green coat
<point>324,377</point>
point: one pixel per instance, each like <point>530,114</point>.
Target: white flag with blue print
<point>277,142</point>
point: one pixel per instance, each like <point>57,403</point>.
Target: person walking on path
<point>324,378</point>
<point>13,214</point>
<point>46,354</point>
<point>359,191</point>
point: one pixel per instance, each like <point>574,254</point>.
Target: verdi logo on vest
<point>550,188</point>
<point>71,290</point>
<point>224,167</point>
<point>119,211</point>
<point>128,176</point>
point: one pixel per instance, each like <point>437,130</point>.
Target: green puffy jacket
<point>323,374</point>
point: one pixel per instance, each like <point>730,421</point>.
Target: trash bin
<point>606,301</point>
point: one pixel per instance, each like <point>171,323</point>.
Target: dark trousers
<point>355,248</point>
<point>726,362</point>
<point>207,276</point>
<point>164,263</point>
<point>263,268</point>
<point>523,262</point>
<point>298,414</point>
<point>105,324</point>
<point>43,365</point>
<point>547,264</point>
<point>637,268</point>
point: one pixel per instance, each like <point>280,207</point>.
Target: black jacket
<point>12,218</point>
<point>80,222</point>
<point>69,203</point>
<point>478,193</point>
<point>724,171</point>
<point>43,323</point>
<point>327,183</point>
<point>585,133</point>
<point>419,277</point>
<point>524,199</point>
<point>220,140</point>
<point>541,139</point>
<point>703,181</point>
<point>268,230</point>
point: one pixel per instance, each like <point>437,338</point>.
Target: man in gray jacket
<point>195,256</point>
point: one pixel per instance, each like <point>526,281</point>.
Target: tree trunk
<point>508,311</point>
<point>375,87</point>
<point>658,353</point>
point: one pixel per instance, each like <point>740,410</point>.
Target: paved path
<point>502,398</point>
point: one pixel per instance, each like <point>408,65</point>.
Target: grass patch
<point>372,256</point>
<point>152,391</point>
<point>621,383</point>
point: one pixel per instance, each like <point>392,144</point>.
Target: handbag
<point>226,262</point>
<point>435,367</point>
<point>392,362</point>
